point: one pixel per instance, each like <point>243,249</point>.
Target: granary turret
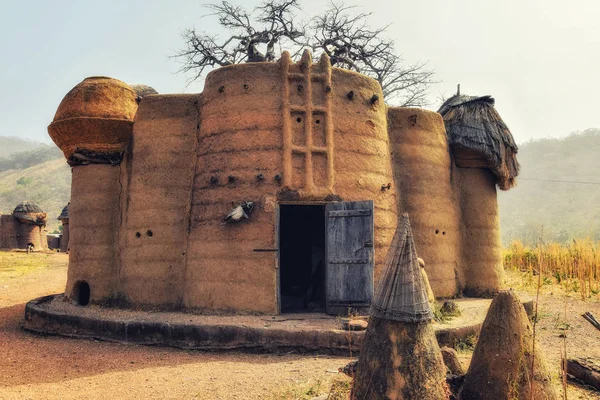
<point>485,154</point>
<point>93,126</point>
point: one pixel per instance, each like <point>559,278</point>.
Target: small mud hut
<point>64,219</point>
<point>307,162</point>
<point>400,357</point>
<point>31,228</point>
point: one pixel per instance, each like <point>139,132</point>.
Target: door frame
<point>278,238</point>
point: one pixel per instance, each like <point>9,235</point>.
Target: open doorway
<point>302,258</point>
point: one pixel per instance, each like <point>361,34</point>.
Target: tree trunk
<point>400,360</point>
<point>585,371</point>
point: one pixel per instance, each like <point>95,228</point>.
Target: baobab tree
<point>340,32</point>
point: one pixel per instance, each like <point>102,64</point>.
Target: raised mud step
<point>318,333</point>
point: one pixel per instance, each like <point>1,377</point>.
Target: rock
<point>349,369</point>
<point>450,308</point>
<point>452,362</point>
<point>354,324</point>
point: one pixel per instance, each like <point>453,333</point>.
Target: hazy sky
<point>539,59</point>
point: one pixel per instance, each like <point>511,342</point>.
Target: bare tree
<point>344,36</point>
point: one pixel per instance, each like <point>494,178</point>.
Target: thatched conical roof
<point>27,207</point>
<point>472,123</point>
<point>65,213</point>
<point>143,90</point>
<point>401,293</point>
<point>28,212</point>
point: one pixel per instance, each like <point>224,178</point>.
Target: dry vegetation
<point>574,266</point>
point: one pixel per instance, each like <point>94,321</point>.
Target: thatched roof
<point>401,293</point>
<point>27,207</point>
<point>473,124</point>
<point>65,212</point>
<point>143,90</point>
<point>28,212</point>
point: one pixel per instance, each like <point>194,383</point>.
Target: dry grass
<point>575,266</point>
<point>15,264</point>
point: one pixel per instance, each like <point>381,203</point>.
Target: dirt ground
<point>46,367</point>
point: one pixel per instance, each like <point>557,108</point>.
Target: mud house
<point>64,238</point>
<point>24,228</point>
<point>315,167</point>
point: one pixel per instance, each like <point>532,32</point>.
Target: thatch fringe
<point>65,212</point>
<point>473,123</point>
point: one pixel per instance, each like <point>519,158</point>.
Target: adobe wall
<point>426,191</point>
<point>9,230</point>
<point>64,240</point>
<point>159,172</point>
<point>93,224</point>
<point>240,136</point>
<point>362,161</point>
<point>480,228</point>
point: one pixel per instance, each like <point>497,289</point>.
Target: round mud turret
<point>95,118</point>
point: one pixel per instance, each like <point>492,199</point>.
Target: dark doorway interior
<point>302,258</point>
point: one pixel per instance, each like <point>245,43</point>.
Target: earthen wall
<point>154,227</point>
<point>423,168</point>
<point>9,230</point>
<point>94,220</point>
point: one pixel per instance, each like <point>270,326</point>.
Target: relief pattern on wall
<point>307,125</point>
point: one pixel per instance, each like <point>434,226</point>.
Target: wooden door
<point>349,254</point>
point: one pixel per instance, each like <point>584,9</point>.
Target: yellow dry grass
<point>574,266</point>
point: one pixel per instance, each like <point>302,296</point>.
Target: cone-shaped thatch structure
<point>28,212</point>
<point>402,292</point>
<point>143,90</point>
<point>64,215</point>
<point>479,137</point>
<point>502,359</point>
<point>400,357</point>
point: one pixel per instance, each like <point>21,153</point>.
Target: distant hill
<point>48,184</point>
<point>564,210</point>
<point>12,144</point>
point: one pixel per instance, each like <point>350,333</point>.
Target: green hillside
<point>48,184</point>
<point>564,211</point>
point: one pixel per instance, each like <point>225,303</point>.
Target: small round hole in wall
<point>138,235</point>
<point>437,231</point>
<point>318,121</point>
<point>81,293</point>
<point>149,233</point>
<point>443,233</point>
<point>298,120</point>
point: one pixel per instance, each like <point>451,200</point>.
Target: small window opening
<point>443,233</point>
<point>437,231</point>
<point>138,235</point>
<point>318,121</point>
<point>298,119</point>
<point>81,293</point>
<point>149,233</point>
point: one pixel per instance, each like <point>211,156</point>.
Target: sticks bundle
<point>588,316</point>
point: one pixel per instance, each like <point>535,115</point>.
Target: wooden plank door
<point>349,270</point>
